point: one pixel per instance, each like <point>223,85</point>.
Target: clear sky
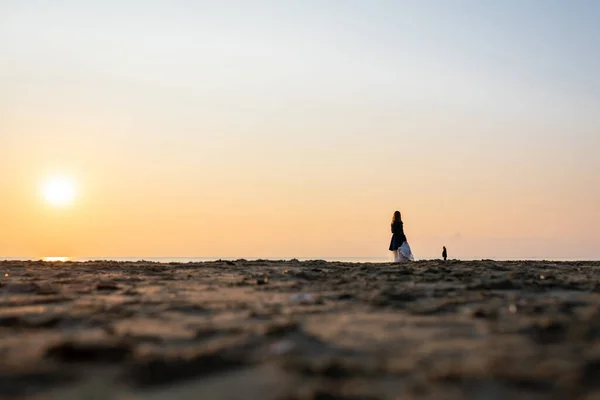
<point>295,128</point>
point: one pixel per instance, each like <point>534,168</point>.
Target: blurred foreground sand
<point>311,330</point>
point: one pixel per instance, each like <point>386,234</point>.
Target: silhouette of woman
<point>399,245</point>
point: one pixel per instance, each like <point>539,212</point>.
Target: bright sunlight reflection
<point>56,259</point>
<point>59,191</point>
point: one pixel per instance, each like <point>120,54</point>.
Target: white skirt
<point>403,253</point>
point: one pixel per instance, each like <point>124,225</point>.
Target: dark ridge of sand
<point>287,330</point>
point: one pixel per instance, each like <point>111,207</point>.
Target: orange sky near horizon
<point>299,136</point>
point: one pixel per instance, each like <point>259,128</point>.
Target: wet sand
<point>287,330</point>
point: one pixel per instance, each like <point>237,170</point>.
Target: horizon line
<point>314,258</point>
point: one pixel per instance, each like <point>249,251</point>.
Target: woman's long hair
<point>397,217</point>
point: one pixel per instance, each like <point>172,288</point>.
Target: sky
<point>296,128</point>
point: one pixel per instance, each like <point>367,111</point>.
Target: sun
<point>59,191</point>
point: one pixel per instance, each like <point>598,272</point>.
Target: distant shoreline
<point>351,260</point>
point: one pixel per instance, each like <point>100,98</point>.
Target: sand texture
<point>287,330</point>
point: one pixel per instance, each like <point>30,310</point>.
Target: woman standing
<point>399,245</point>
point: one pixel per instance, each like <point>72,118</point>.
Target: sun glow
<point>56,259</point>
<point>59,191</point>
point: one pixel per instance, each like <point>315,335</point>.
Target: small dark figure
<point>444,253</point>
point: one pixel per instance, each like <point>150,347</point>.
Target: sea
<point>329,259</point>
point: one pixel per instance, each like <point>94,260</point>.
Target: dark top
<point>398,236</point>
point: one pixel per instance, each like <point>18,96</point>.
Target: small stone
<point>110,286</point>
<point>302,298</point>
<point>479,313</point>
<point>542,277</point>
<point>512,309</point>
<point>282,347</point>
<point>108,352</point>
<point>45,288</point>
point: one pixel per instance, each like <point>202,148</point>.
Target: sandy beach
<point>287,330</point>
